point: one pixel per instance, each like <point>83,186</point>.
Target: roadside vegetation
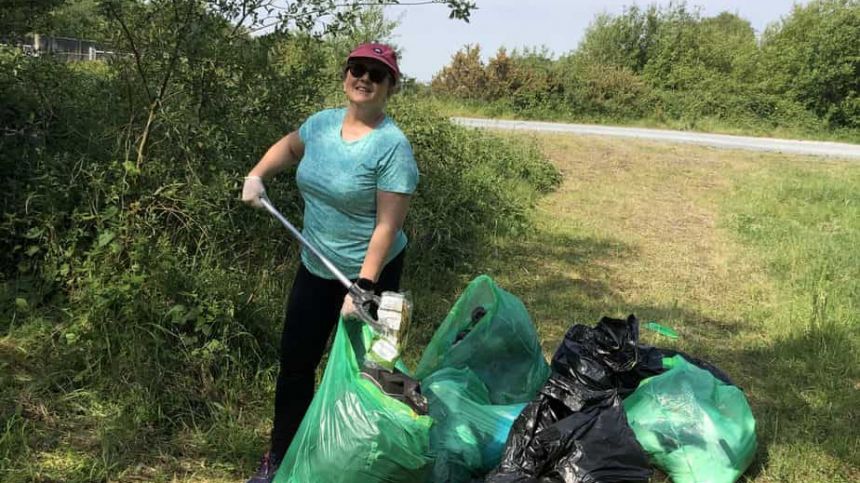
<point>141,302</point>
<point>673,67</point>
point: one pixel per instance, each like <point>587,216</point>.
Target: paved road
<point>788,146</point>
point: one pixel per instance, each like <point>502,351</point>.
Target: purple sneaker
<point>265,472</point>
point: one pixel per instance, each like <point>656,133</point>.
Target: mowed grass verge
<point>751,257</point>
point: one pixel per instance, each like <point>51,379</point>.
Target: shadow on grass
<point>804,390</point>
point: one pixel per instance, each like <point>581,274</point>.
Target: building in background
<point>64,48</point>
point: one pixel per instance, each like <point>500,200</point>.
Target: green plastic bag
<point>469,433</point>
<point>481,367</point>
<point>352,432</point>
<point>489,332</point>
<point>693,426</point>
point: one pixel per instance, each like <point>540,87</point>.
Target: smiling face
<point>367,83</point>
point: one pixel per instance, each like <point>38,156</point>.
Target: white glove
<point>347,308</point>
<point>253,190</point>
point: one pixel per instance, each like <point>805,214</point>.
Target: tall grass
<point>805,224</point>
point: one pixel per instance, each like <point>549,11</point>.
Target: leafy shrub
<point>474,185</point>
<point>142,282</point>
<point>465,78</point>
<point>671,63</point>
<point>608,90</point>
<point>812,56</point>
<point>136,280</point>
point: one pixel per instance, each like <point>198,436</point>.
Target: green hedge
<point>139,294</point>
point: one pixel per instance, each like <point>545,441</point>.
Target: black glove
<point>365,300</point>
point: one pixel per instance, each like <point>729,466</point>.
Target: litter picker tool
<point>361,299</point>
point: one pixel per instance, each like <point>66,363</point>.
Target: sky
<point>428,38</point>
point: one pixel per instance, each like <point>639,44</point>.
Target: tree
<point>81,19</point>
<point>324,15</point>
<point>624,40</point>
<point>464,77</point>
<point>813,55</point>
<point>21,17</point>
<point>499,75</point>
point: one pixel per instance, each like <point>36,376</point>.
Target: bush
<point>672,64</point>
<point>141,283</point>
<point>474,185</point>
<point>143,293</point>
<point>608,91</point>
<point>465,78</point>
<point>812,56</point>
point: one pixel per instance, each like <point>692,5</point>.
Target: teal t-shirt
<point>339,179</point>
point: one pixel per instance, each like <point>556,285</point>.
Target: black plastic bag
<point>609,356</point>
<point>552,443</point>
<point>576,429</point>
<point>595,356</point>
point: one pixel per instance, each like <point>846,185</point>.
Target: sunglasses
<point>377,74</point>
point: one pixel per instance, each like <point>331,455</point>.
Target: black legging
<point>312,312</point>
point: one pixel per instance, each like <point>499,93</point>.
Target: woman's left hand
<point>347,307</point>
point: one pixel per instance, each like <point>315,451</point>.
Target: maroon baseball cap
<point>380,52</point>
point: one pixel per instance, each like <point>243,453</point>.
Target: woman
<point>356,173</point>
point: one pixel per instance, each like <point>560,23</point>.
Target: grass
<point>751,257</point>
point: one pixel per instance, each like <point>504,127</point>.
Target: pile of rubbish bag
<point>484,405</point>
<point>612,407</point>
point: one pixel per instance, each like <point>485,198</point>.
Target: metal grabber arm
<point>361,299</point>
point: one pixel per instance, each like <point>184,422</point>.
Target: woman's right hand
<point>252,190</point>
<point>286,152</point>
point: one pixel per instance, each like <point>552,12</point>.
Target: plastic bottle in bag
<point>394,315</point>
